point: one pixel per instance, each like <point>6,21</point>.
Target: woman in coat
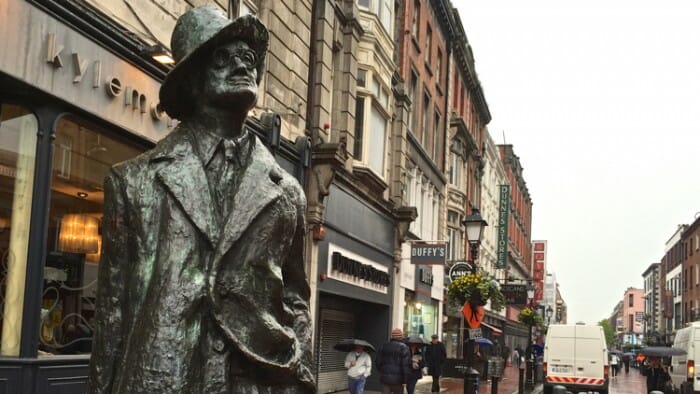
<point>417,364</point>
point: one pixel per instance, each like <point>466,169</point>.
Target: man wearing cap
<point>201,286</point>
<point>394,363</point>
<point>435,356</point>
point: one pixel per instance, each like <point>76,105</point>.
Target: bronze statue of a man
<point>201,286</point>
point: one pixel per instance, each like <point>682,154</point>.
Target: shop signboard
<point>503,210</point>
<point>428,253</point>
<point>459,269</point>
<point>514,294</point>
<point>475,333</point>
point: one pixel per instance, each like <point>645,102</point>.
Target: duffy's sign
<point>428,253</point>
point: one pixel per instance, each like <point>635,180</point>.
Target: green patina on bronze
<point>201,286</point>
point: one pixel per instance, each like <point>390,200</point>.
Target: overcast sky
<point>601,101</point>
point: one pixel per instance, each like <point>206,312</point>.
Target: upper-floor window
<point>425,127</point>
<point>457,165</point>
<point>416,19</point>
<point>436,136</point>
<point>428,44</point>
<point>413,93</point>
<point>381,8</point>
<point>371,120</point>
<point>631,298</point>
<point>438,67</point>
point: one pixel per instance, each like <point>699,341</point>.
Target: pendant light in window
<point>79,232</point>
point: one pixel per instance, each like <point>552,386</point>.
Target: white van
<point>682,369</point>
<point>576,357</point>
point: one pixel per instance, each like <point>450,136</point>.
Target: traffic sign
<point>473,315</point>
<point>475,333</point>
<point>459,269</point>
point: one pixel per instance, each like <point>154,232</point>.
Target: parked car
<point>576,357</point>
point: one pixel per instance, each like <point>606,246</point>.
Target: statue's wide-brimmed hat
<point>197,32</point>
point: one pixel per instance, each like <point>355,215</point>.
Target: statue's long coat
<point>176,283</point>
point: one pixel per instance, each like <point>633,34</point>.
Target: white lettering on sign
<point>428,251</point>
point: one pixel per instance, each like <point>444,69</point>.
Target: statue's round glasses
<point>223,57</point>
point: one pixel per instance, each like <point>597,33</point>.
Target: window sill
<point>416,45</point>
<point>428,68</point>
<point>439,89</point>
<point>370,179</point>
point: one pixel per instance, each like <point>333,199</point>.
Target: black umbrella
<point>661,351</point>
<point>348,345</point>
<point>415,339</point>
<point>615,351</point>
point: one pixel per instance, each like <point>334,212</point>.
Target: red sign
<point>473,315</point>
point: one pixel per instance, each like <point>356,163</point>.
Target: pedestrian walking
<point>359,365</point>
<point>657,376</point>
<point>417,364</point>
<point>626,361</point>
<point>614,361</point>
<point>516,357</point>
<point>435,356</point>
<point>394,363</point>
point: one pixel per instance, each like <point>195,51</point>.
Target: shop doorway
<point>334,326</point>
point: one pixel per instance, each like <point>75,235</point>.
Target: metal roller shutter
<point>335,325</point>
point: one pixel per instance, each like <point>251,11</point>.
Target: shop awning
<point>496,331</point>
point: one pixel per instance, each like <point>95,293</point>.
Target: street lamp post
<point>474,224</point>
<point>529,352</point>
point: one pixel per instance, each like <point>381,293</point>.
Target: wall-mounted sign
<point>459,269</point>
<point>514,294</point>
<point>354,269</point>
<point>428,253</point>
<point>426,276</point>
<point>503,210</point>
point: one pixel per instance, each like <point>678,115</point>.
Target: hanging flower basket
<point>478,289</point>
<point>530,317</point>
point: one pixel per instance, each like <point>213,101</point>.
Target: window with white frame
<point>457,165</point>
<point>371,123</point>
<point>455,236</point>
<point>382,9</point>
<point>425,197</point>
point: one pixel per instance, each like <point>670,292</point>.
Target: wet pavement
<point>632,383</point>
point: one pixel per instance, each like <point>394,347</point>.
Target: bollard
<point>521,379</point>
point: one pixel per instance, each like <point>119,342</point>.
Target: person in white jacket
<point>359,365</point>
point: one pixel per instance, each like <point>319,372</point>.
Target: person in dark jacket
<point>656,374</point>
<point>394,364</point>
<point>435,356</point>
<point>417,365</point>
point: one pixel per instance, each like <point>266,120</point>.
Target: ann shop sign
<point>428,253</point>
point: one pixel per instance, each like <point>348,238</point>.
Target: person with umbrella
<point>417,363</point>
<point>359,365</point>
<point>435,356</point>
<point>657,376</point>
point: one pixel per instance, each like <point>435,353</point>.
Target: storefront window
<point>18,134</point>
<point>83,155</point>
<point>420,317</point>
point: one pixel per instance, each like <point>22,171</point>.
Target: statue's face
<point>230,77</point>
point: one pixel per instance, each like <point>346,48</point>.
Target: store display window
<point>83,155</point>
<point>420,316</point>
<point>18,138</point>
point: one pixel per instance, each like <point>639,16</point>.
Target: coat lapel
<point>256,191</point>
<point>186,180</point>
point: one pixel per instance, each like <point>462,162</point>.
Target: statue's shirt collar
<point>206,143</point>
